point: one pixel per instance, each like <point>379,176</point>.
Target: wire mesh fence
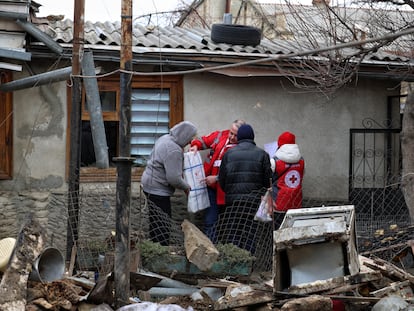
<point>382,225</point>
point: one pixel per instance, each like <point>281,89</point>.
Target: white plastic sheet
<point>151,306</point>
<point>195,177</point>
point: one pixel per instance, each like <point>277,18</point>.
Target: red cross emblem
<point>292,179</point>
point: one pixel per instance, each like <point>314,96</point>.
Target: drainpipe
<point>61,74</point>
<point>35,32</point>
<point>228,3</point>
<point>227,17</point>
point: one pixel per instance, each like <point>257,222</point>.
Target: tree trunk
<point>407,150</point>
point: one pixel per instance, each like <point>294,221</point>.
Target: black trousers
<point>159,208</point>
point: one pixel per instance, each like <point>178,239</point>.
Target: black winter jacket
<point>244,169</point>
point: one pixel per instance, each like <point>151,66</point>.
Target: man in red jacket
<point>218,142</point>
<point>288,168</point>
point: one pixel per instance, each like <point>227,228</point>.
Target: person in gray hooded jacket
<point>163,174</point>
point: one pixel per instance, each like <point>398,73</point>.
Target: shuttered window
<point>150,119</point>
<point>6,129</point>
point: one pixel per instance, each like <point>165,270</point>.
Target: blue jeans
<point>211,216</point>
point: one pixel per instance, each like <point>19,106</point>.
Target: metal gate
<point>375,173</point>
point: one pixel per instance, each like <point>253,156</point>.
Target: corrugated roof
<point>109,33</point>
<point>175,38</point>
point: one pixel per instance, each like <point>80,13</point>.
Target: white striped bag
<point>194,176</point>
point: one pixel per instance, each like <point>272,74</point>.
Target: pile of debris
<point>377,280</point>
<point>376,285</point>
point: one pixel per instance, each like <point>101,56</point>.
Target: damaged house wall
<point>210,99</point>
<point>39,115</point>
<point>40,131</point>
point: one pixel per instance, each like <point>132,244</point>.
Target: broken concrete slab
<point>199,249</point>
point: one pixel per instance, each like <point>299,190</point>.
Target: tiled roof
<point>178,40</point>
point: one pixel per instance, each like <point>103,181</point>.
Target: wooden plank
<point>283,297</point>
<point>401,289</point>
<point>243,300</point>
<point>343,289</point>
<point>356,298</point>
<point>84,283</point>
<point>72,260</point>
<point>335,283</point>
<point>390,270</point>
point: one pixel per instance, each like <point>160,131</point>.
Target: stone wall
<point>96,217</point>
<point>16,208</point>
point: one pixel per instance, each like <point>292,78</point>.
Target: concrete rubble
<point>367,282</point>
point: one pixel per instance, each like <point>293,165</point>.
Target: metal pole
<point>124,162</point>
<point>75,128</point>
<point>37,80</point>
<point>90,84</point>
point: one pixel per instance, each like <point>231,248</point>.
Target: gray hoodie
<point>164,170</point>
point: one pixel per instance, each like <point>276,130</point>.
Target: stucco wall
<point>322,126</point>
<point>39,141</point>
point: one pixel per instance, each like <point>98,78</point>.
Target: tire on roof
<point>235,34</point>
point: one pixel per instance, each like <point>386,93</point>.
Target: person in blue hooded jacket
<point>163,175</point>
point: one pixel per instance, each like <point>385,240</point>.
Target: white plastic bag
<point>265,207</point>
<point>152,306</point>
<point>195,177</point>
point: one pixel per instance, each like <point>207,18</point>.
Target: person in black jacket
<point>245,175</point>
